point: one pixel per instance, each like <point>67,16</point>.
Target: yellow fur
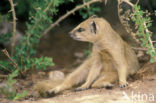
<point>42,86</point>
<point>111,58</point>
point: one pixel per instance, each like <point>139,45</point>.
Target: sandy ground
<point>139,91</point>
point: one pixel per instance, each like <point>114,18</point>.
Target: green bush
<point>9,90</point>
<point>143,23</point>
<point>40,17</point>
<point>25,51</point>
<point>89,10</point>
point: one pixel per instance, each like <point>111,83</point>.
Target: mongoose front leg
<point>93,74</point>
<point>121,65</point>
<point>74,78</point>
<point>122,72</point>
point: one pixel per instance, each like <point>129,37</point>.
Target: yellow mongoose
<point>111,58</point>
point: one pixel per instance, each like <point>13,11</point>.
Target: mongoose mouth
<point>75,38</point>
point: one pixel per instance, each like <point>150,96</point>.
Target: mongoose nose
<point>70,33</point>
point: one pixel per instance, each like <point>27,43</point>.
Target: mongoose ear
<point>93,27</point>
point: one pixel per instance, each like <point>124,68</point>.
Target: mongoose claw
<point>50,93</point>
<point>80,89</point>
<point>123,85</point>
<point>109,86</point>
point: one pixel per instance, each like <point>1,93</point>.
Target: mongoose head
<point>89,30</point>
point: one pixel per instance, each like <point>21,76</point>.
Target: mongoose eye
<point>80,29</point>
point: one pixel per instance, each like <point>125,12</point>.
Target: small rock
<point>79,54</point>
<point>41,74</point>
<point>2,85</point>
<point>78,61</point>
<point>6,27</point>
<point>56,75</point>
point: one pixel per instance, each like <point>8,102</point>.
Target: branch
<point>14,26</point>
<point>3,76</point>
<point>128,2</point>
<point>137,2</point>
<point>34,26</point>
<point>69,13</point>
<point>13,62</point>
<point>147,31</point>
<point>4,68</point>
<point>150,40</point>
<point>142,49</point>
<point>48,7</point>
<point>126,26</point>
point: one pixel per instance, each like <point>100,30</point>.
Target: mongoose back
<point>111,59</point>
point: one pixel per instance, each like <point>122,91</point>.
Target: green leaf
<point>152,60</point>
<point>5,37</point>
<point>20,95</point>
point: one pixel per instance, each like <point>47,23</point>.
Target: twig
<point>146,29</point>
<point>126,27</point>
<point>69,13</point>
<point>34,26</point>
<point>4,68</point>
<point>49,5</point>
<point>137,2</point>
<point>142,49</point>
<point>14,26</point>
<point>119,2</point>
<point>150,40</point>
<point>3,76</point>
<point>7,54</point>
<point>128,2</point>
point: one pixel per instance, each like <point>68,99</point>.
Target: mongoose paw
<point>80,89</point>
<point>50,93</point>
<point>109,86</point>
<point>123,85</point>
